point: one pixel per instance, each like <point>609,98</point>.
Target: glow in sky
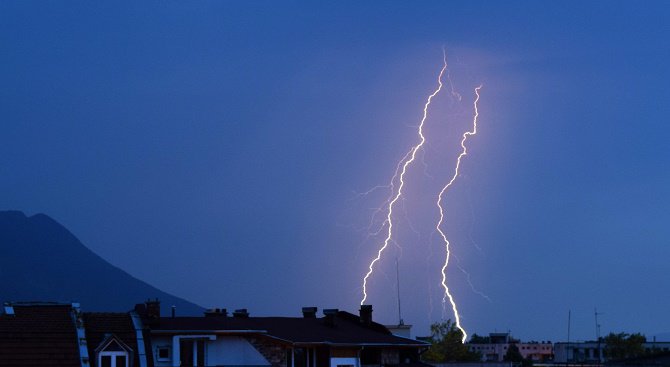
<point>406,162</point>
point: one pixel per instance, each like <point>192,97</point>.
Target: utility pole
<point>567,347</point>
<point>397,274</point>
<point>600,352</point>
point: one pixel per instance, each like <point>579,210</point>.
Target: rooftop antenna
<point>596,313</point>
<point>397,274</point>
<point>567,349</point>
<point>600,352</point>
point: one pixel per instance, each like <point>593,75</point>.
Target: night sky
<point>217,150</point>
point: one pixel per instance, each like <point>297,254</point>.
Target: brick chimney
<point>153,311</point>
<point>330,316</point>
<point>366,314</point>
<point>241,313</point>
<point>153,308</point>
<point>309,312</point>
<point>216,312</point>
<point>141,309</point>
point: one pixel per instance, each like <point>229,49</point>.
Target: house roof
<point>39,335</point>
<point>100,325</point>
<point>347,329</point>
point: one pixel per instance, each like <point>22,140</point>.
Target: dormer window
<point>113,359</point>
<point>112,352</point>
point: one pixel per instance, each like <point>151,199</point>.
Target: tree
<point>476,339</point>
<point>514,355</point>
<point>623,345</point>
<point>447,345</point>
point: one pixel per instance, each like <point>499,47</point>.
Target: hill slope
<point>40,260</point>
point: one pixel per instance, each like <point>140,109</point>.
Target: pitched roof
<point>100,325</point>
<point>347,330</point>
<point>39,335</point>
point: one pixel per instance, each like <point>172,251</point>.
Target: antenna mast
<point>600,352</point>
<point>567,349</point>
<point>397,274</point>
<point>596,313</point>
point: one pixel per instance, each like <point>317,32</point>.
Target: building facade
<point>593,352</point>
<point>51,334</point>
<point>338,339</point>
<point>496,346</point>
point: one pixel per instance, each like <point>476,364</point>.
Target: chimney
<point>174,311</point>
<point>330,315</point>
<point>366,314</point>
<point>153,309</point>
<point>309,312</point>
<point>241,313</point>
<point>216,312</point>
<point>141,309</point>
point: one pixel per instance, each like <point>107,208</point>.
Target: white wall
<point>157,341</point>
<point>233,350</point>
<point>225,350</point>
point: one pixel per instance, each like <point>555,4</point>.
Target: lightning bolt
<point>464,152</point>
<point>407,160</point>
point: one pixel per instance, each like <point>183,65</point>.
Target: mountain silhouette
<point>40,260</point>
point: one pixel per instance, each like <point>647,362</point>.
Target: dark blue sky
<point>214,149</point>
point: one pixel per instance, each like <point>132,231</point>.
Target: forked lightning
<point>407,160</point>
<point>464,152</point>
<point>396,194</point>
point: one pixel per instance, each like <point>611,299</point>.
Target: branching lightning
<point>464,152</point>
<point>407,160</point>
<point>469,280</point>
<point>397,185</point>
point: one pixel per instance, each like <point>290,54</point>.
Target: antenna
<point>600,352</point>
<point>596,313</point>
<point>569,312</point>
<point>397,274</point>
<point>567,350</point>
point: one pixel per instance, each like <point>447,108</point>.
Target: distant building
<point>496,345</point>
<point>593,352</point>
<point>579,352</point>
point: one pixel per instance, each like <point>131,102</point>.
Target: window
<point>113,359</point>
<point>301,357</point>
<point>192,352</point>
<point>371,356</point>
<point>163,353</point>
<point>113,353</point>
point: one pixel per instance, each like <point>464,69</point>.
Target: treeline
<point>447,346</point>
